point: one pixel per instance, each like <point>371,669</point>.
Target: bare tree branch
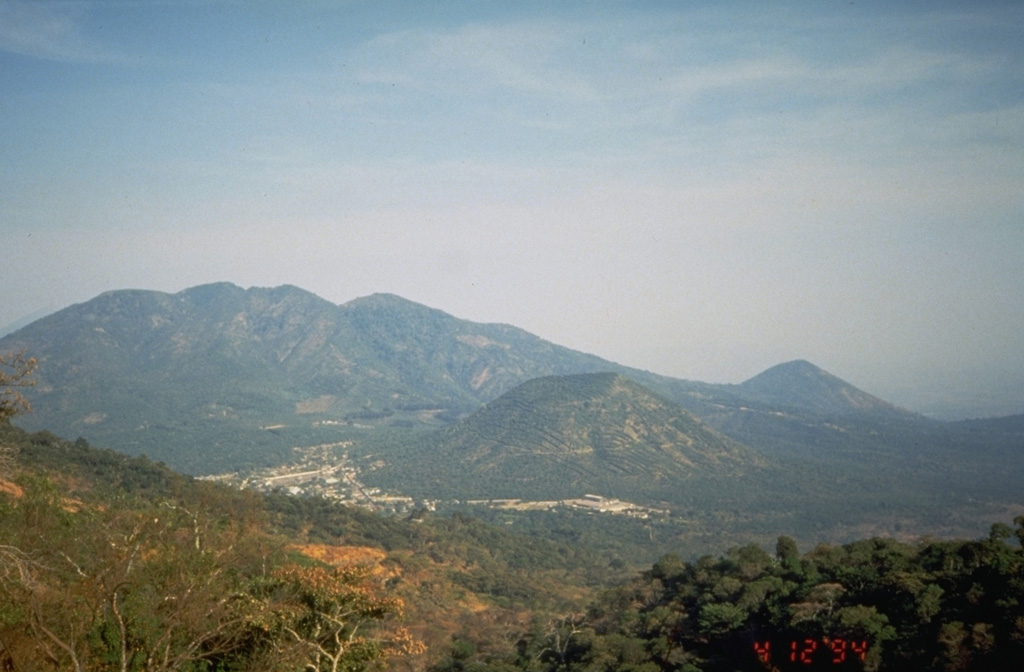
<point>15,372</point>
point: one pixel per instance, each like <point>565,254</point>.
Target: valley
<point>323,472</point>
<point>402,405</point>
<point>329,472</point>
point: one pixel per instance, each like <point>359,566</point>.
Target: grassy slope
<point>456,574</point>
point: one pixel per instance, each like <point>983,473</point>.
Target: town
<point>327,470</point>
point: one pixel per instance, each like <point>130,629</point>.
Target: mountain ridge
<point>217,379</point>
<point>127,366</point>
<point>194,377</point>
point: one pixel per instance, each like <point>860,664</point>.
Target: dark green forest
<point>874,604</point>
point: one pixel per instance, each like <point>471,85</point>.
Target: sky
<point>702,190</point>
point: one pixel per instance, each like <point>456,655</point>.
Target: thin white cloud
<point>527,58</point>
<point>47,30</point>
<point>543,75</point>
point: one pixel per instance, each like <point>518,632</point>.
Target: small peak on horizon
<point>388,300</point>
<point>210,293</point>
<point>797,364</point>
<point>381,297</point>
<point>803,384</point>
<point>794,366</point>
<point>226,288</point>
<point>219,286</point>
<point>227,285</point>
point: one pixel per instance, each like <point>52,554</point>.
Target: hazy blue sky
<point>699,189</point>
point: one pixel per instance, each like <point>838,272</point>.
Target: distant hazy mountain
<point>11,327</point>
<point>803,385</point>
<point>563,436</point>
<point>219,378</point>
<point>1011,424</point>
<point>192,378</point>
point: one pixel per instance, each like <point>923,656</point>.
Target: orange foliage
<point>328,606</point>
<point>348,557</point>
<point>69,504</point>
<point>12,489</point>
<point>342,556</point>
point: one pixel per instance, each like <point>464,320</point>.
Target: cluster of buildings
<point>322,472</point>
<point>593,503</point>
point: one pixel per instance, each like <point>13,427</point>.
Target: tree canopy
<point>15,372</point>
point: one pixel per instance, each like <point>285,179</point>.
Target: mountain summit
<point>802,384</point>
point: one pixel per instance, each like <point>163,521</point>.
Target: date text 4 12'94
<point>812,654</point>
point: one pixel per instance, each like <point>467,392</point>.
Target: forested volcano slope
<point>560,437</point>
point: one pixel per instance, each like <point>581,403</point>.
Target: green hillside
<point>873,605</point>
<point>561,437</point>
<point>564,436</point>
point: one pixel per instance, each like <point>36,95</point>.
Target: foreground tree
<point>189,585</point>
<point>136,587</point>
<point>15,372</point>
<point>323,619</point>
